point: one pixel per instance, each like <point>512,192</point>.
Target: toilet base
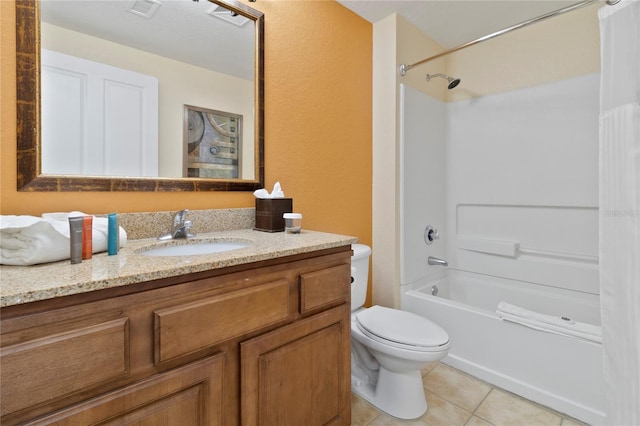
<point>398,394</point>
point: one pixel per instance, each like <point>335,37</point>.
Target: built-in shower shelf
<point>514,250</point>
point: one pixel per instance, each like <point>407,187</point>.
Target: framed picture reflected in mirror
<point>212,143</point>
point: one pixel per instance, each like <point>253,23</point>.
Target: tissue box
<point>269,213</point>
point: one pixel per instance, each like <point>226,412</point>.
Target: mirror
<point>33,117</point>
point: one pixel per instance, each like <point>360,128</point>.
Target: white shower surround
<point>511,182</point>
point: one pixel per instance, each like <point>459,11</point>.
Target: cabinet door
<point>299,374</point>
<point>189,395</point>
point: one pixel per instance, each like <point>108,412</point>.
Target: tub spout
<point>434,261</point>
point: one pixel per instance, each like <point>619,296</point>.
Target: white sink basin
<point>191,249</point>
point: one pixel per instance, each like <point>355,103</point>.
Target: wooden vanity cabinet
<point>265,343</point>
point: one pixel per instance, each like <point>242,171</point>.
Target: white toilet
<point>388,348</point>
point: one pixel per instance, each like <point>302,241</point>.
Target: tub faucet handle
<point>430,235</point>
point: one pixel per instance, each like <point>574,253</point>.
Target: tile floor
<point>456,398</point>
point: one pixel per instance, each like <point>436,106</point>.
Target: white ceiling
<point>455,22</point>
<point>179,29</point>
<point>191,35</point>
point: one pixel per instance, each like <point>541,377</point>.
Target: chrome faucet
<point>434,261</point>
<point>180,227</point>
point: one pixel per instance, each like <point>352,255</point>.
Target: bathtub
<point>563,373</point>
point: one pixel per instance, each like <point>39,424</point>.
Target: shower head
<point>453,82</point>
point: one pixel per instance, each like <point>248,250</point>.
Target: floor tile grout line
<point>538,405</point>
<point>562,416</point>
<point>480,404</point>
<point>491,387</point>
<point>481,418</point>
<point>473,413</point>
<point>448,401</point>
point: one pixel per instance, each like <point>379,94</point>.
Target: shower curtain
<point>619,219</point>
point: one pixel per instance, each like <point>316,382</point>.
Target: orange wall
<point>318,101</point>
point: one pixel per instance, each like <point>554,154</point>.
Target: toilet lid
<point>401,328</point>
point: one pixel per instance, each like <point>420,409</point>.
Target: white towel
<point>549,323</point>
<point>29,240</point>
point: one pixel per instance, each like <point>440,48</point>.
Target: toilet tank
<point>359,274</point>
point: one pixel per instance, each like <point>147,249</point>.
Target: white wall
<point>510,180</point>
<point>422,182</point>
<point>522,168</point>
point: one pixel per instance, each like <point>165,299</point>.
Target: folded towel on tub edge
<point>549,323</point>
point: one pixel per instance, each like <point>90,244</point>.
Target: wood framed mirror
<point>30,175</point>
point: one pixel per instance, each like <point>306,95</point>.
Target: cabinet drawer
<point>187,328</point>
<point>64,363</point>
<point>189,395</point>
<point>324,287</point>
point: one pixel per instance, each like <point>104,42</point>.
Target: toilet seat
<point>401,329</point>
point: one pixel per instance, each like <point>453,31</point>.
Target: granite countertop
<point>24,284</point>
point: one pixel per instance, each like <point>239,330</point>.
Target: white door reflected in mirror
<point>97,119</point>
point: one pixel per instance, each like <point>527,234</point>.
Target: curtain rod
<point>406,67</point>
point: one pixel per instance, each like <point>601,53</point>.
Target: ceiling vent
<point>145,8</point>
<point>227,15</point>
